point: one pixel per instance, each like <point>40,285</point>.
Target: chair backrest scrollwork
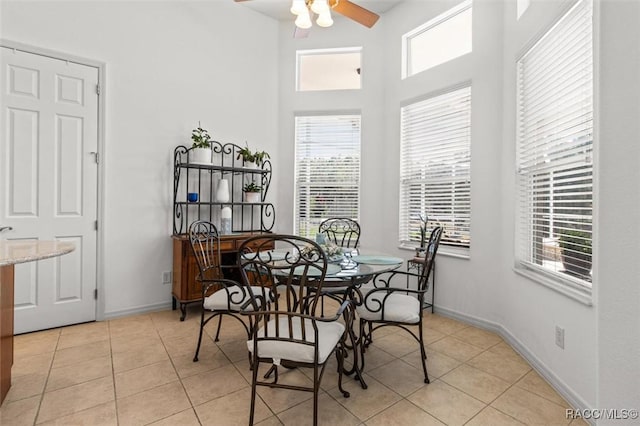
<point>205,242</point>
<point>290,270</point>
<point>341,231</point>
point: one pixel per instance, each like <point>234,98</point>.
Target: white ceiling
<point>279,9</point>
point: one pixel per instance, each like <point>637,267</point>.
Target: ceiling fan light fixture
<point>324,19</point>
<point>320,6</point>
<point>298,7</point>
<point>304,20</point>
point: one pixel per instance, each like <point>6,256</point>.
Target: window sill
<point>448,251</point>
<point>563,287</point>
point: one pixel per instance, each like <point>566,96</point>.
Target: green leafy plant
<point>575,240</point>
<point>200,138</point>
<point>248,156</point>
<point>333,251</point>
<point>252,187</point>
<point>575,249</point>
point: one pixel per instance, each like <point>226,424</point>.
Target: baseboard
<point>136,310</point>
<point>574,400</point>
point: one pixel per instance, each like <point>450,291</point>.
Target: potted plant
<point>575,249</point>
<point>252,193</point>
<point>201,147</point>
<point>252,159</point>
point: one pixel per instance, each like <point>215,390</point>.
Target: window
<point>440,40</point>
<point>435,176</point>
<point>327,170</point>
<point>328,69</point>
<point>554,152</point>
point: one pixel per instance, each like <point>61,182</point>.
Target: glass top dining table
<point>347,266</point>
<point>344,275</point>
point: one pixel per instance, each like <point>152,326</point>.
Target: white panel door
<point>48,183</point>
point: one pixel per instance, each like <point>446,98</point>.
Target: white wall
<point>618,302</point>
<point>531,311</point>
<point>368,101</point>
<point>169,65</point>
<point>483,288</point>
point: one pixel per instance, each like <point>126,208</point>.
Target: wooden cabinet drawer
<point>257,243</point>
<point>227,245</point>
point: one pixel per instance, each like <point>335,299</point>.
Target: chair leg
<point>254,382</point>
<point>423,355</point>
<point>218,330</point>
<point>269,371</point>
<point>195,358</point>
<point>316,387</point>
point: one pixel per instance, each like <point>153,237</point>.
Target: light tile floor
<point>139,370</point>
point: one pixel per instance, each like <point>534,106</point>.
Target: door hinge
<point>95,225</point>
<point>98,89</point>
<point>95,294</point>
<point>96,157</point>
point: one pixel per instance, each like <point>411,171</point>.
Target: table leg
<point>355,341</point>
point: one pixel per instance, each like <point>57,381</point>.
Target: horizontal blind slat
<point>435,167</point>
<point>327,170</point>
<point>555,148</point>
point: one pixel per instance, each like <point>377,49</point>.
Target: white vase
<point>252,197</point>
<point>222,193</point>
<point>200,156</point>
<point>250,165</point>
<point>225,221</point>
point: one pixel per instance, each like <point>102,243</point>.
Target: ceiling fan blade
<point>355,12</point>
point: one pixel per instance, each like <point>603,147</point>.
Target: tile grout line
<point>113,374</point>
<point>193,408</point>
<point>157,327</point>
<point>483,350</point>
<point>231,363</point>
<point>44,388</point>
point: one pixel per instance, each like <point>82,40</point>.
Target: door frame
<point>101,67</point>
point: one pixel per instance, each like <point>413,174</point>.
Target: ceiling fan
<point>304,9</point>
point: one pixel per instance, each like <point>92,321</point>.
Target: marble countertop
<point>20,251</point>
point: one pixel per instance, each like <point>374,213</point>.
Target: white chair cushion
<point>397,308</point>
<point>329,333</point>
<point>218,300</point>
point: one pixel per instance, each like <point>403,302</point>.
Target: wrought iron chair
<point>290,334</point>
<point>344,233</point>
<point>220,296</point>
<point>341,231</point>
<point>388,305</point>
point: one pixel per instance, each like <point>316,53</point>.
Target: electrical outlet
<point>166,277</point>
<point>560,337</point>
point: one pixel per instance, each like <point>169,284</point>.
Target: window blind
<point>554,151</point>
<point>327,170</point>
<point>435,177</point>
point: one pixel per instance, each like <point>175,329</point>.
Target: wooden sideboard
<point>186,289</point>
